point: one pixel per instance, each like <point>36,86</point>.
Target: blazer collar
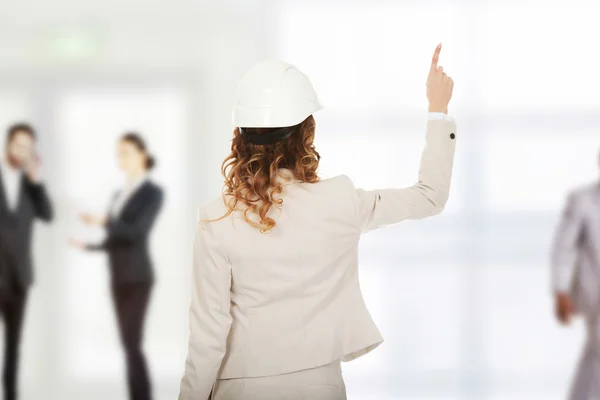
<point>133,197</point>
<point>4,169</point>
<point>2,188</point>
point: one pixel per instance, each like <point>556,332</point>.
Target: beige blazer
<point>269,304</point>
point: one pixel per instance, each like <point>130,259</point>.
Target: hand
<point>564,308</point>
<point>91,219</point>
<point>439,85</point>
<point>77,243</point>
<point>32,168</point>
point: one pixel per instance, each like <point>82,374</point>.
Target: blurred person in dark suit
<point>576,280</point>
<point>128,224</point>
<point>22,199</point>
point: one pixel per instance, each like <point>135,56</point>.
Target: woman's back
<point>295,298</point>
<point>276,288</point>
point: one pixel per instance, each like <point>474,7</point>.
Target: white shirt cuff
<point>439,115</point>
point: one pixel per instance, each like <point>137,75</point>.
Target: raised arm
<point>42,206</point>
<point>429,195</point>
<point>41,202</point>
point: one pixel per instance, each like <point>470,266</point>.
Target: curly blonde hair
<point>254,173</point>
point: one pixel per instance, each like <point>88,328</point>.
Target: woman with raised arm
<point>276,302</point>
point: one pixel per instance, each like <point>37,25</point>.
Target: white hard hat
<point>274,94</point>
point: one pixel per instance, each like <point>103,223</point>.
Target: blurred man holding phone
<point>22,199</point>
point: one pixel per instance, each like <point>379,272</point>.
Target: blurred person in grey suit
<point>23,198</point>
<point>576,280</point>
<point>128,225</point>
<point>276,302</point>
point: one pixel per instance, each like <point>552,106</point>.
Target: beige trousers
<point>321,383</point>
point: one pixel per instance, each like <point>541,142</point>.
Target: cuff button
<point>452,136</point>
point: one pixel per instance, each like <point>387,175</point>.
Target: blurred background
<point>463,300</point>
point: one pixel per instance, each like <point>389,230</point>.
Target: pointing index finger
<point>435,58</point>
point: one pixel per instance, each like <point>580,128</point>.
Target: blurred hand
<point>77,243</point>
<point>564,308</point>
<point>32,168</point>
<point>439,85</point>
<point>92,219</point>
